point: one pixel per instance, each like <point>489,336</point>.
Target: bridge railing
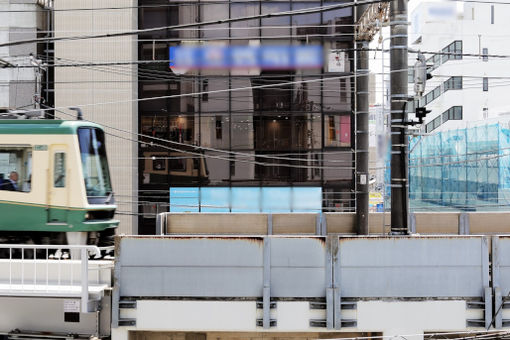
<point>44,270</point>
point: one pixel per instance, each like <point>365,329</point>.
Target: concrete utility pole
<point>399,98</point>
<point>362,137</point>
<point>370,20</point>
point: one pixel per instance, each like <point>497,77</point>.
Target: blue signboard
<point>246,199</point>
<point>184,199</point>
<point>264,57</point>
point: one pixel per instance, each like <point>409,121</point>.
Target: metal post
<point>84,280</point>
<point>362,137</point>
<point>399,143</point>
<point>266,292</point>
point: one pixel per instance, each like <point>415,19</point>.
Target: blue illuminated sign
<point>246,199</point>
<point>264,57</point>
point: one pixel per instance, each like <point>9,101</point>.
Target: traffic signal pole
<point>399,98</point>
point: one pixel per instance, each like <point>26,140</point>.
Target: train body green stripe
<point>22,217</point>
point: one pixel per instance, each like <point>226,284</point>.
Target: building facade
<point>106,89</point>
<point>23,87</point>
<point>468,84</point>
<point>297,134</point>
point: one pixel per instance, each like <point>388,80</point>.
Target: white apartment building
<point>470,86</point>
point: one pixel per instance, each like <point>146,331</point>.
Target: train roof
<point>42,126</point>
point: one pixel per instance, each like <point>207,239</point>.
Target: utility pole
<point>362,137</point>
<point>38,80</point>
<point>399,98</point>
<point>370,19</point>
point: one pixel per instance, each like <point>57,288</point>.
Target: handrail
<point>84,251</point>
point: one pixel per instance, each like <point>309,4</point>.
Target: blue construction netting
<point>464,169</point>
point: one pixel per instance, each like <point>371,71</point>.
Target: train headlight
<point>87,216</point>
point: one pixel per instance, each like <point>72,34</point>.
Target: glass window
<point>337,130</point>
<point>338,20</point>
<point>154,167</point>
<point>205,89</point>
<point>457,83</point>
<point>307,96</point>
<point>182,129</point>
<point>307,24</point>
<point>215,101</point>
<point>213,12</point>
<point>153,17</point>
<point>446,116</point>
<point>429,127</point>
<point>437,92</point>
<point>242,100</point>
<point>15,168</point>
<point>332,97</point>
<point>94,162</point>
<point>274,7</point>
<point>177,164</point>
<point>458,49</point>
<point>153,126</point>
<point>273,132</point>
<point>485,84</point>
<point>242,131</point>
<point>59,170</point>
<point>245,28</point>
<point>457,113</point>
<point>277,98</point>
<point>187,168</point>
<point>444,56</point>
<point>337,166</point>
<point>485,54</point>
<point>437,122</point>
<point>214,168</point>
<point>214,130</point>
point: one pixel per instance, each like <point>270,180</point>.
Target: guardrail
<point>34,270</point>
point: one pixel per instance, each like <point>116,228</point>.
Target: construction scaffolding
<point>464,169</point>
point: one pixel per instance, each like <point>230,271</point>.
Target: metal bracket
<point>266,292</point>
<point>333,294</point>
<point>464,224</point>
<point>116,286</point>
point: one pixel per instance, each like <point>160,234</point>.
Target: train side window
<point>59,173</point>
<point>16,168</point>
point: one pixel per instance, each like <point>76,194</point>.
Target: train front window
<point>94,162</point>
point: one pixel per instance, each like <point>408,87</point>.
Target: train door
<point>58,186</point>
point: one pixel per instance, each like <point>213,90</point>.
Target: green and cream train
<point>55,185</point>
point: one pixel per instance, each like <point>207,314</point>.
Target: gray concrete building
<point>22,20</point>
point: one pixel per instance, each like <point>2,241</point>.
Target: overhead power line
<point>304,11</point>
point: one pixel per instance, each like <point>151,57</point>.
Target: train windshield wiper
<point>109,198</point>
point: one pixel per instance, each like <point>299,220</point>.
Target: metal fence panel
<point>298,267</point>
<point>413,267</point>
<point>191,266</point>
<point>501,264</point>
